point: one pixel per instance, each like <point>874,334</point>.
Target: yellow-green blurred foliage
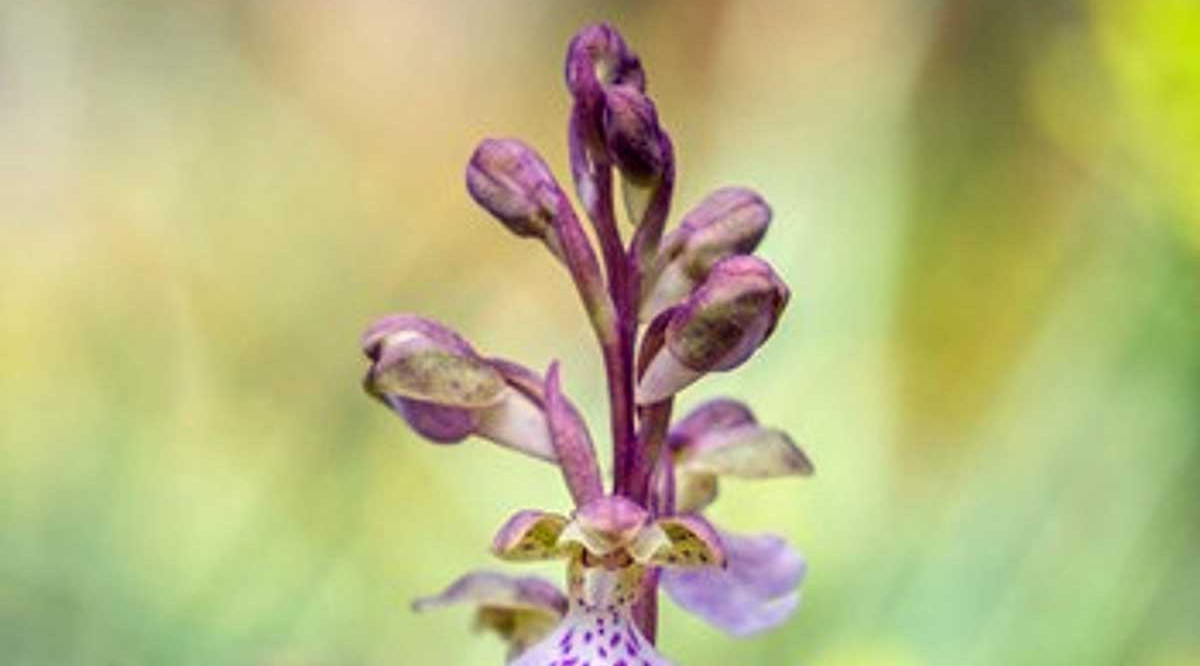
<point>989,212</point>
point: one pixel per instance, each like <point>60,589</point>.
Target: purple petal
<point>718,414</point>
<point>572,444</point>
<point>437,423</point>
<point>756,591</point>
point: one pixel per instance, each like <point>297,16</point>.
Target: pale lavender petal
<point>756,591</point>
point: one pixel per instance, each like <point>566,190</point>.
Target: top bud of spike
<point>598,56</point>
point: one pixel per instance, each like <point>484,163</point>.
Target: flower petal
<point>418,358</point>
<point>521,610</point>
<point>748,452</point>
<point>437,423</point>
<point>517,422</point>
<point>572,444</point>
<point>756,591</point>
<point>680,541</point>
<point>718,414</point>
<point>529,535</point>
<point>722,438</point>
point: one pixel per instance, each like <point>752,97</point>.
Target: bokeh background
<point>989,212</point>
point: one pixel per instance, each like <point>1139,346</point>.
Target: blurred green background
<point>989,213</point>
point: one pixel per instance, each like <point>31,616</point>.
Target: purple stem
<point>592,172</point>
<point>655,420</point>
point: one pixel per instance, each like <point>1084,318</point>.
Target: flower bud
<point>719,326</point>
<point>512,182</point>
<point>633,135</point>
<point>599,56</point>
<point>445,391</point>
<point>730,221</point>
<point>423,360</point>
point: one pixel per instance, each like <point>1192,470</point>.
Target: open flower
<point>710,306</point>
<point>758,589</point>
<point>610,544</point>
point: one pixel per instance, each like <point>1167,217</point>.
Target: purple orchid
<point>706,304</point>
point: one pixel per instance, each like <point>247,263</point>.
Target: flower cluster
<point>667,309</point>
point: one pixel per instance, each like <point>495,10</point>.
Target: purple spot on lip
<point>587,637</point>
<point>616,639</point>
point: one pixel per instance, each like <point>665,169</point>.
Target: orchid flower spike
<point>709,304</point>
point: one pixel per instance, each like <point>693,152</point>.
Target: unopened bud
<point>730,221</point>
<point>512,182</point>
<point>633,135</point>
<point>719,326</point>
<point>598,56</point>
